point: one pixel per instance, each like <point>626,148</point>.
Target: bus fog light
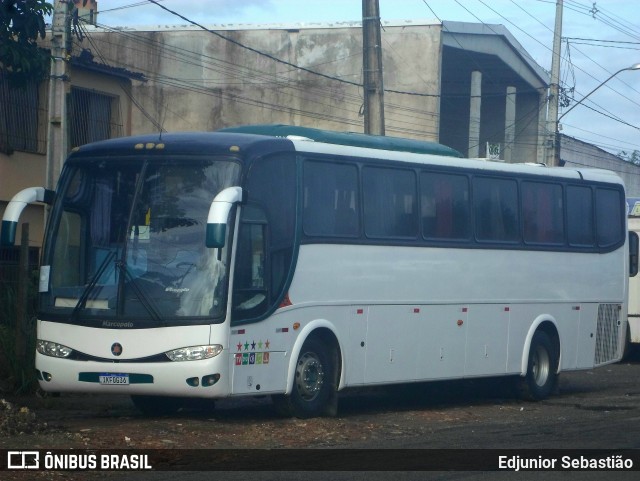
<point>210,380</point>
<point>194,353</point>
<point>53,349</point>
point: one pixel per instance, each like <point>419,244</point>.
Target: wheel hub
<point>309,376</point>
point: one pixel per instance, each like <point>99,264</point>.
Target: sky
<point>599,39</point>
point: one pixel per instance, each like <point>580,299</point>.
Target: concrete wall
<point>199,81</point>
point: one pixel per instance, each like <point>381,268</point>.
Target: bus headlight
<point>53,349</point>
<point>194,353</point>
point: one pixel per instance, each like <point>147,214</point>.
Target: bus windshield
<point>127,241</point>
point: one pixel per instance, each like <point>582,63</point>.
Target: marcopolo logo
<point>23,460</point>
<point>116,349</point>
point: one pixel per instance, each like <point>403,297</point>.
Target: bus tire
<point>157,405</point>
<point>542,369</point>
<point>314,386</point>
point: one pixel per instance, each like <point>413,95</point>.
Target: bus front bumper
<point>203,378</point>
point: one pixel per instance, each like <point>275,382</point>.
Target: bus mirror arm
<point>16,206</point>
<point>219,215</point>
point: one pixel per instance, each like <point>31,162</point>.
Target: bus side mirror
<point>16,206</point>
<point>633,253</point>
<point>219,215</point>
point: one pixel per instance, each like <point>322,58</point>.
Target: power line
<point>185,56</point>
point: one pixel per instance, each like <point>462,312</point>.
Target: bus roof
<point>351,139</point>
<point>253,144</point>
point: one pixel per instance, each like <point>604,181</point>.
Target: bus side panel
<point>258,372</point>
<point>393,344</point>
<point>487,340</point>
<point>259,356</point>
<point>587,336</point>
<point>443,338</point>
<point>262,353</point>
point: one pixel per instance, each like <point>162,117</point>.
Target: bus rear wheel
<point>314,385</point>
<point>542,369</point>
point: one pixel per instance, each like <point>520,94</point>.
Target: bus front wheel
<point>314,386</point>
<point>542,369</point>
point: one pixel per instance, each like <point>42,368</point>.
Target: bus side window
<point>249,285</point>
<point>580,220</point>
<point>390,203</point>
<point>496,209</point>
<point>542,212</point>
<point>330,199</point>
<point>609,217</point>
<point>445,206</point>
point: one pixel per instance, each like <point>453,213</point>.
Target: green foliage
<point>7,305</point>
<point>17,375</point>
<point>21,24</point>
<point>632,157</point>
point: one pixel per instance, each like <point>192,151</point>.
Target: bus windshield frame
<point>126,242</point>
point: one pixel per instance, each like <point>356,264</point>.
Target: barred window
<point>94,116</point>
<point>20,127</point>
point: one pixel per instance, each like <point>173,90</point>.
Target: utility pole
<point>552,136</point>
<point>372,68</point>
<point>59,88</point>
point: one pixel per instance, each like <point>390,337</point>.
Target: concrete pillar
<point>509,124</point>
<point>474,114</point>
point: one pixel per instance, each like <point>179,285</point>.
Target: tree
<point>632,157</point>
<point>21,24</point>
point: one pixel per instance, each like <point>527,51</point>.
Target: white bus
<point>633,327</point>
<point>223,264</point>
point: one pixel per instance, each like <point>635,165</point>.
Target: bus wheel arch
<point>541,362</point>
<point>313,376</point>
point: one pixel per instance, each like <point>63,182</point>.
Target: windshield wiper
<point>146,302</point>
<point>82,301</point>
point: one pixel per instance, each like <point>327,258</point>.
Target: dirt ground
<point>89,421</point>
<point>92,421</point>
<point>461,414</point>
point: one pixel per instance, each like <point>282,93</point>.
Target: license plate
<point>114,379</point>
